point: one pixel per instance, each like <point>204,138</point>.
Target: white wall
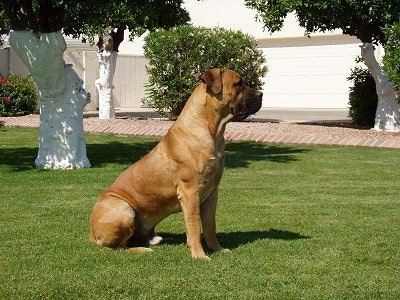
<point>4,61</point>
<point>309,73</point>
<point>232,14</point>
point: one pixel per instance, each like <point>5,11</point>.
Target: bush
<point>18,96</point>
<point>363,99</point>
<point>391,60</point>
<point>178,56</point>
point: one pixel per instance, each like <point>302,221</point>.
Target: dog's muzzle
<point>251,105</point>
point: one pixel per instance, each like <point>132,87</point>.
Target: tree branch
<point>118,37</point>
<point>51,19</point>
<point>20,14</point>
<point>28,15</point>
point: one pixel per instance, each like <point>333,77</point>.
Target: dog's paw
<point>202,257</point>
<point>139,249</point>
<point>156,240</point>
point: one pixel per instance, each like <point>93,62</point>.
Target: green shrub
<point>18,96</point>
<point>178,56</point>
<point>391,60</point>
<point>363,99</point>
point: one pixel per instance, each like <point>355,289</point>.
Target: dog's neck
<point>199,105</point>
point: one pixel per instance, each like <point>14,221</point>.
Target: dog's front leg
<point>207,212</point>
<point>190,204</point>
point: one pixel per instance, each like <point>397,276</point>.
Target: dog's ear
<point>213,79</point>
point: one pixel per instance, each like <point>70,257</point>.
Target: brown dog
<point>181,173</point>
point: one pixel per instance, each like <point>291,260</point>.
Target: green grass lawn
<point>302,222</point>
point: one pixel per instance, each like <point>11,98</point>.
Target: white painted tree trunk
<point>62,99</point>
<point>387,116</point>
<point>104,84</point>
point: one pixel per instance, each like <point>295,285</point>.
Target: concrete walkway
<point>301,127</point>
<point>276,115</point>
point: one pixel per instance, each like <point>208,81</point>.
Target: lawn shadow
<point>232,240</point>
<point>241,154</point>
<point>19,159</point>
<point>238,154</point>
<point>117,152</point>
<point>23,158</point>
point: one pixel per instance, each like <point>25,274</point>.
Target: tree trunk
<point>62,99</point>
<point>387,116</point>
<point>108,53</point>
<point>104,84</point>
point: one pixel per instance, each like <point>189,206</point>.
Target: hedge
<point>18,96</point>
<point>178,56</point>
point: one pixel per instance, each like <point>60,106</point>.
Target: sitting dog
<point>181,173</point>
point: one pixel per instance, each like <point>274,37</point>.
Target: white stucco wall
<point>235,15</point>
<point>308,73</point>
<point>232,14</point>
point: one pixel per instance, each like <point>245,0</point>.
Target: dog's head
<point>232,93</point>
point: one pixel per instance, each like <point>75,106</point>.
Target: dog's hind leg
<point>112,223</point>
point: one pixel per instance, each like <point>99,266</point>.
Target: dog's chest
<point>211,173</point>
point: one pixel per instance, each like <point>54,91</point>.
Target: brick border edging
<point>108,126</point>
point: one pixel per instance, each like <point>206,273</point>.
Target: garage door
<point>309,72</point>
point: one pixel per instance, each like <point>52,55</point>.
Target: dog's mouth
<point>251,105</point>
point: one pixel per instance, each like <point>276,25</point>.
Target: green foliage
<point>178,56</point>
<point>4,26</point>
<point>363,99</point>
<point>86,19</point>
<point>18,96</point>
<point>136,16</point>
<point>391,60</point>
<point>363,19</point>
